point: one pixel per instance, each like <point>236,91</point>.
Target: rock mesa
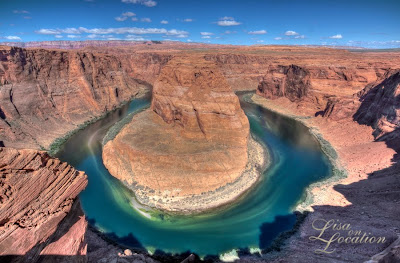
<point>192,143</point>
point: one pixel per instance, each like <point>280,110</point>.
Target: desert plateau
<point>217,148</point>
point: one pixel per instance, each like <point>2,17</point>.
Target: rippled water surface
<point>252,222</point>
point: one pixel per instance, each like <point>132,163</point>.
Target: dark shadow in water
<point>123,242</point>
<point>290,130</point>
<point>269,231</point>
<point>374,208</point>
<point>131,242</point>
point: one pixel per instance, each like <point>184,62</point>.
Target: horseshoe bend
<point>330,118</point>
<point>192,150</point>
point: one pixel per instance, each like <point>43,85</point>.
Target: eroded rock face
<point>39,214</point>
<point>341,108</point>
<point>376,105</point>
<point>75,86</point>
<point>182,153</point>
<point>198,98</point>
<point>380,106</point>
<point>44,94</point>
<point>291,81</point>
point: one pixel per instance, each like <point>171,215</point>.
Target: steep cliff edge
<point>377,105</point>
<point>292,82</point>
<point>44,94</point>
<point>380,105</point>
<point>191,151</point>
<point>39,213</point>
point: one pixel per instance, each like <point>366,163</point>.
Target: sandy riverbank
<point>362,191</point>
<point>346,144</point>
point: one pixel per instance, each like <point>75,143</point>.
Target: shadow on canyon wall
<point>373,209</point>
<point>33,255</point>
<point>375,201</point>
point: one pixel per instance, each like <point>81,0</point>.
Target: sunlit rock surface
<point>39,214</point>
<point>192,142</point>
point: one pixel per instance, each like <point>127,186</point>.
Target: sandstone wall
<point>46,93</point>
<point>39,214</point>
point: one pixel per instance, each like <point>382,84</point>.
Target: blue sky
<point>366,23</point>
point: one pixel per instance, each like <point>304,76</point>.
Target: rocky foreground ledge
<point>192,150</point>
<point>40,218</point>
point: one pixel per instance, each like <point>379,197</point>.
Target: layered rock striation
<point>40,216</point>
<point>380,105</point>
<point>292,82</point>
<point>44,94</point>
<point>190,151</point>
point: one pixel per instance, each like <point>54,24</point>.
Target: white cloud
<point>108,37</point>
<point>125,16</point>
<point>206,37</point>
<point>146,19</point>
<point>20,12</point>
<point>71,30</point>
<point>228,21</point>
<point>128,14</point>
<point>116,30</point>
<point>260,41</point>
<point>148,3</point>
<point>135,38</point>
<point>58,36</point>
<point>73,36</point>
<point>92,36</point>
<point>230,32</point>
<point>121,18</point>
<point>300,36</point>
<point>164,22</point>
<point>134,19</point>
<point>189,40</point>
<point>177,33</point>
<point>291,33</point>
<point>258,32</point>
<point>12,38</point>
<point>278,38</point>
<point>338,36</point>
<point>206,33</point>
<point>187,20</point>
<point>46,31</point>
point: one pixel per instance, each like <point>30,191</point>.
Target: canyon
<point>350,98</point>
<point>79,85</point>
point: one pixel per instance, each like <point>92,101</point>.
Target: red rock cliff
<point>39,214</point>
<point>44,93</point>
